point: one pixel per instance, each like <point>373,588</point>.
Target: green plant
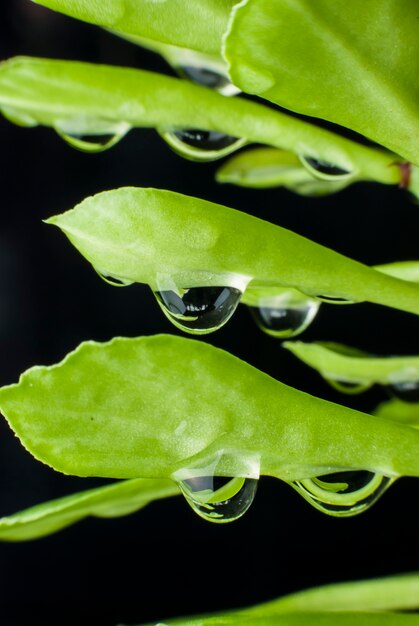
<point>128,422</point>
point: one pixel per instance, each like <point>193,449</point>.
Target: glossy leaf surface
<point>139,234</point>
<point>114,500</point>
<point>81,97</point>
<point>355,64</point>
<point>157,405</point>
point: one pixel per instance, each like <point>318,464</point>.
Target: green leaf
<point>335,363</point>
<point>268,167</point>
<point>114,500</point>
<point>157,406</point>
<point>150,236</point>
<point>196,25</point>
<point>81,98</point>
<point>402,412</point>
<point>354,63</point>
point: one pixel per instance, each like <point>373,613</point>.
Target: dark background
<point>165,561</point>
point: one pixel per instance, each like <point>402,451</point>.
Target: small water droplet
<point>92,136</point>
<point>324,170</point>
<point>201,145</point>
<point>20,118</point>
<point>208,78</point>
<point>343,494</point>
<point>350,388</point>
<point>285,321</point>
<point>113,280</point>
<point>408,391</point>
<point>199,310</point>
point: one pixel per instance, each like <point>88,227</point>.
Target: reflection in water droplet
<point>201,145</point>
<point>323,170</point>
<point>199,310</point>
<point>349,388</point>
<point>407,391</point>
<point>91,136</point>
<point>334,300</point>
<point>343,494</point>
<point>285,321</point>
<point>113,280</point>
<point>219,500</point>
<point>20,118</point>
<point>208,78</point>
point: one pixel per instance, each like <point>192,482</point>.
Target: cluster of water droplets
<point>323,170</point>
<point>343,494</point>
<point>285,315</point>
<point>91,135</point>
<point>215,498</point>
<point>197,144</point>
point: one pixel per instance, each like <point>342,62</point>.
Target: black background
<point>165,561</point>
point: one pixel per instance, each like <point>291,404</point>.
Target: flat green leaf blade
<point>114,500</point>
<point>82,98</point>
<point>137,234</point>
<point>158,405</point>
<point>196,25</point>
<point>354,63</point>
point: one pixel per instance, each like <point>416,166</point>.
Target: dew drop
<point>408,391</point>
<point>324,170</point>
<point>350,388</point>
<point>343,494</point>
<point>114,280</point>
<point>92,136</point>
<point>208,78</point>
<point>199,310</point>
<point>219,500</point>
<point>285,321</point>
<point>201,145</point>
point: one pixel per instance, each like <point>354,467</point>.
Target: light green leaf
<point>337,363</point>
<point>160,237</point>
<point>84,99</point>
<point>403,412</point>
<point>114,500</point>
<point>158,406</point>
<point>268,167</point>
<point>354,63</point>
<point>196,25</point>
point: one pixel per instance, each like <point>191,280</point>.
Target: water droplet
<point>208,78</point>
<point>199,310</point>
<point>113,280</point>
<point>408,391</point>
<point>20,118</point>
<point>350,388</point>
<point>201,145</point>
<point>343,494</point>
<point>324,170</point>
<point>91,136</point>
<point>284,321</point>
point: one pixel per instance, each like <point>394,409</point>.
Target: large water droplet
<point>113,280</point>
<point>285,320</point>
<point>91,136</point>
<point>350,388</point>
<point>343,494</point>
<point>408,391</point>
<point>324,170</point>
<point>201,145</point>
<point>208,78</point>
<point>199,310</point>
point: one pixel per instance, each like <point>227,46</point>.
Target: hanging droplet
<point>219,500</point>
<point>114,280</point>
<point>343,494</point>
<point>324,170</point>
<point>408,391</point>
<point>199,310</point>
<point>20,118</point>
<point>285,321</point>
<point>208,78</point>
<point>350,388</point>
<point>201,145</point>
<point>91,136</point>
